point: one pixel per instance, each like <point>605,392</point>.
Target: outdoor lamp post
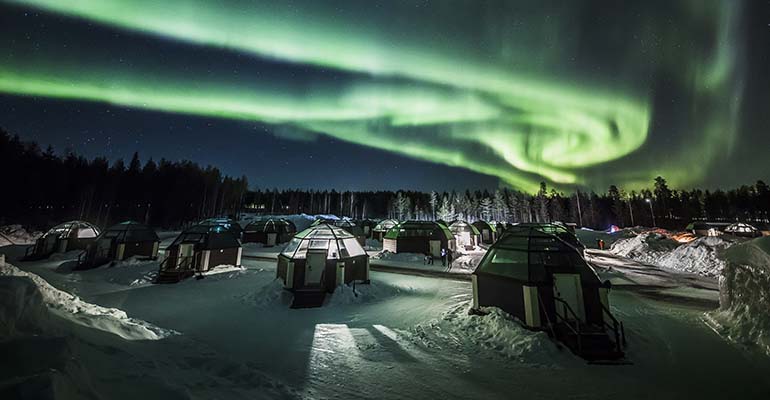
<point>649,202</point>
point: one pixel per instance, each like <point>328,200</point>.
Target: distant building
<point>270,231</point>
<point>423,237</point>
<point>742,229</point>
<point>466,235</point>
<point>382,227</point>
<point>319,259</point>
<point>67,236</point>
<point>198,249</point>
<point>487,230</point>
<point>119,242</point>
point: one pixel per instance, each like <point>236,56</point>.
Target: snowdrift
<point>701,256</point>
<point>72,308</point>
<point>411,258</point>
<point>16,234</point>
<point>744,288</point>
<point>498,333</point>
<point>36,362</point>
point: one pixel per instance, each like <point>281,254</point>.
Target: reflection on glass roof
<point>335,241</point>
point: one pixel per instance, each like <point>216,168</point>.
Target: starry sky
<point>429,95</point>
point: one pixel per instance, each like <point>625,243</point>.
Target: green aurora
<point>516,108</point>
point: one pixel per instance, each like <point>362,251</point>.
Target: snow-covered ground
<point>402,336</point>
<point>78,311</point>
<point>16,234</point>
<point>261,251</point>
<point>744,315</point>
<point>464,263</point>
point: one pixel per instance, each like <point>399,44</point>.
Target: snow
<point>76,310</point>
<point>16,234</point>
<point>368,293</point>
<point>646,247</point>
<point>373,244</point>
<point>411,258</point>
<point>262,251</point>
<point>403,336</point>
<point>233,270</point>
<point>464,263</point>
<point>496,332</point>
<point>700,256</point>
<point>744,314</point>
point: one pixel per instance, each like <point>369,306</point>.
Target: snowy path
<point>655,281</point>
<point>409,338</point>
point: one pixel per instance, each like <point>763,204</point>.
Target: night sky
<point>400,94</point>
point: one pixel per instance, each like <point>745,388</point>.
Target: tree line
<point>659,205</point>
<point>41,188</point>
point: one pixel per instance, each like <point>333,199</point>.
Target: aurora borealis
<point>579,94</point>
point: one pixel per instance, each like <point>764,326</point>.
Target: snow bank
<point>701,256</point>
<point>271,295</point>
<point>402,257</point>
<point>22,310</point>
<point>16,234</point>
<point>233,270</point>
<point>744,288</point>
<point>467,263</point>
<point>646,247</point>
<point>497,332</point>
<point>74,309</point>
<point>373,244</point>
<point>36,362</point>
<point>130,272</point>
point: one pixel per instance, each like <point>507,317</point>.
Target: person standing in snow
<point>443,257</point>
<point>450,258</point>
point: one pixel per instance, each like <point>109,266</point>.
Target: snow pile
<point>645,247</point>
<point>74,309</point>
<point>467,263</point>
<point>373,244</point>
<point>16,234</point>
<point>233,270</point>
<point>22,310</point>
<point>367,293</point>
<point>745,293</point>
<point>271,295</point>
<point>37,364</point>
<point>497,332</point>
<point>700,256</point>
<point>402,257</point>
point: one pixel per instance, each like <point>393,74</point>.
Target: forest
<point>41,188</point>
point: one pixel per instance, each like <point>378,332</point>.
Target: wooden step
<point>595,344</point>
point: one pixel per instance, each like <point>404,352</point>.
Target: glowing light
<point>410,95</point>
